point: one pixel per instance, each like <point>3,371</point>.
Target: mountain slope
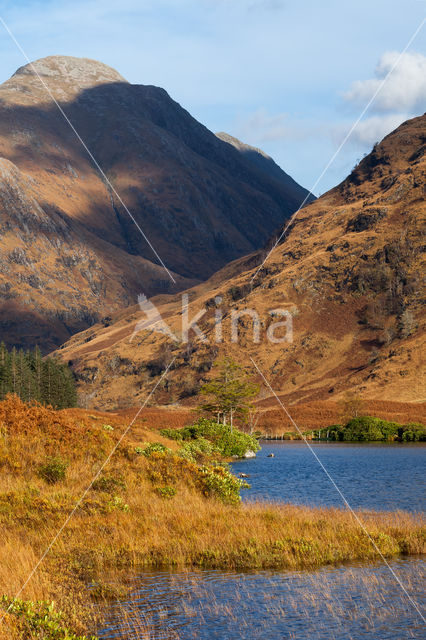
<point>69,251</point>
<point>264,163</point>
<point>348,270</point>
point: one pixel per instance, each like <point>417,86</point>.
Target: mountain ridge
<point>196,199</point>
<point>347,270</point>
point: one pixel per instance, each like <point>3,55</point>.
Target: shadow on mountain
<point>191,198</point>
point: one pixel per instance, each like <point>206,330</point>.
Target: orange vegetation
<point>347,270</point>
<point>123,520</point>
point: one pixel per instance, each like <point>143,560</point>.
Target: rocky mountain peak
<point>80,71</point>
<point>241,146</point>
<point>65,76</point>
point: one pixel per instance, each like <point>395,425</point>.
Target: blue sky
<point>288,76</point>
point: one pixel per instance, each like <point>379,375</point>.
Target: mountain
<point>348,270</point>
<point>263,163</point>
<point>70,252</point>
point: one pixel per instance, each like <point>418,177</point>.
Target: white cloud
<point>403,91</point>
<point>263,129</point>
<point>373,129</point>
<point>368,131</point>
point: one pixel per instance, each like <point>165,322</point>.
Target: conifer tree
<point>229,393</point>
<point>31,377</point>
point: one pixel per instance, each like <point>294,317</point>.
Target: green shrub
<point>167,469</point>
<point>109,483</point>
<point>117,504</point>
<point>174,434</point>
<point>39,620</point>
<point>197,449</point>
<point>370,429</point>
<point>154,447</point>
<point>413,432</point>
<point>166,492</point>
<point>54,470</point>
<point>204,439</point>
<point>225,441</point>
<point>220,483</point>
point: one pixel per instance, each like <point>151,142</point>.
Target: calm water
<point>341,603</point>
<point>370,476</point>
<point>347,602</point>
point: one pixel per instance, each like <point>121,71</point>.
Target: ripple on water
<point>370,475</point>
<point>356,602</point>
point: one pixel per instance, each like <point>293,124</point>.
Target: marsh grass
<point>332,602</point>
<point>125,521</point>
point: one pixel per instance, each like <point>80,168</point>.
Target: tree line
<point>32,377</point>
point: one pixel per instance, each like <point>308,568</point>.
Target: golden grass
<point>272,420</point>
<point>130,524</point>
<point>321,414</point>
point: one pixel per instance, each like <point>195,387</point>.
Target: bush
<point>39,620</point>
<point>116,503</point>
<point>167,469</point>
<point>237,444</point>
<point>154,447</point>
<point>413,432</point>
<point>166,492</point>
<point>109,483</point>
<point>198,448</point>
<point>174,434</point>
<point>220,483</point>
<point>204,439</point>
<point>226,442</point>
<point>369,429</point>
<point>54,470</point>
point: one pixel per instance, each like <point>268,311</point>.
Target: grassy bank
<point>148,507</point>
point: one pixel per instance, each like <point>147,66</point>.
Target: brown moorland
<point>270,419</point>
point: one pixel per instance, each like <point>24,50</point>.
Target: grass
<point>322,414</point>
<point>331,603</point>
<point>144,510</point>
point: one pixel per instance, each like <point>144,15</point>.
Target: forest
<point>32,377</point>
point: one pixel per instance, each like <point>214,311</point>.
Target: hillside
<point>259,159</point>
<point>69,253</point>
<point>349,271</point>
